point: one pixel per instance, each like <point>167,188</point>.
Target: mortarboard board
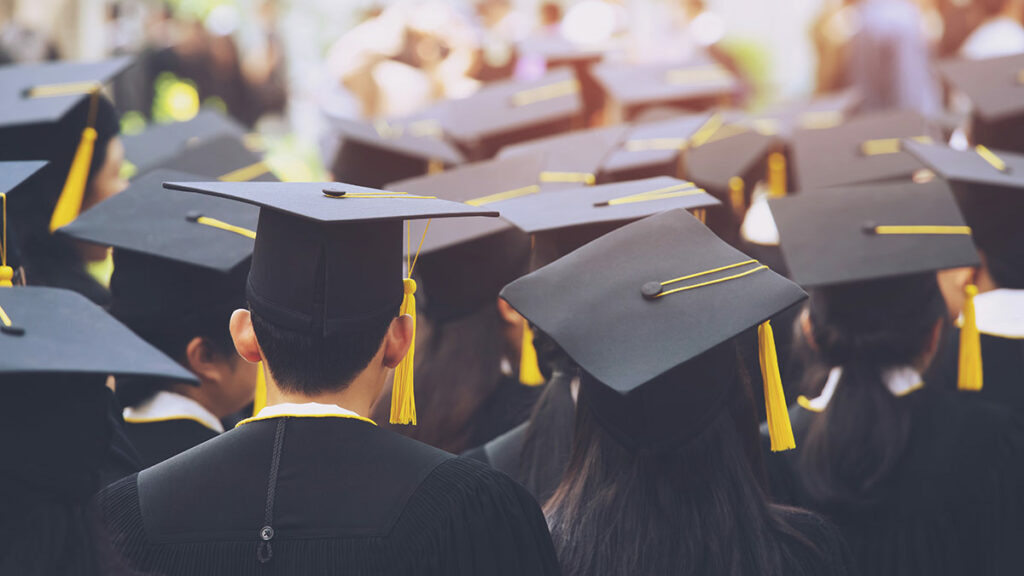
<point>653,148</point>
<point>464,262</point>
<point>571,159</point>
<point>328,258</point>
<point>844,235</point>
<point>731,151</point>
<point>12,176</point>
<point>864,149</point>
<point>512,111</point>
<point>995,87</point>
<point>375,154</point>
<point>632,306</point>
<point>52,331</point>
<point>159,143</point>
<point>35,95</point>
<point>696,84</point>
<point>989,187</point>
<point>222,157</point>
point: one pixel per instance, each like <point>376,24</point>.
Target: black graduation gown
<point>158,441</point>
<point>122,458</point>
<point>541,469</point>
<point>507,407</point>
<point>953,505</point>
<point>349,498</point>
<point>1002,366</point>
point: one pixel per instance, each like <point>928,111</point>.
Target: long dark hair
<point>695,508</point>
<point>864,328</point>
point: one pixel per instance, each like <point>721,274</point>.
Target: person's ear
<point>508,313</point>
<point>202,360</point>
<point>244,336</point>
<point>397,341</point>
<point>807,329</point>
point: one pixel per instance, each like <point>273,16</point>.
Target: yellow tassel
<point>529,369</point>
<point>70,202</point>
<point>6,276</point>
<point>403,401</point>
<point>259,399</point>
<point>970,377</point>
<point>779,428</point>
<point>777,175</point>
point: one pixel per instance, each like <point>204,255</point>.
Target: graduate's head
<point>329,304</point>
<point>177,279</point>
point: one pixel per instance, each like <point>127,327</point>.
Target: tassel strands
<point>529,368</point>
<point>69,204</point>
<point>779,428</point>
<point>6,272</point>
<point>403,399</point>
<point>259,400</point>
<point>970,375</point>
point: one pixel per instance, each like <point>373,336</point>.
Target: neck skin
<point>983,280</point>
<point>358,396</point>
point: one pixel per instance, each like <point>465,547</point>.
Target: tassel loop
<point>779,428</point>
<point>403,400</point>
<point>529,368</point>
<point>259,399</point>
<point>970,375</point>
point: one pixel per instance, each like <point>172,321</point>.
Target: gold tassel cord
<point>737,197</point>
<point>779,428</point>
<point>881,146</point>
<point>69,203</point>
<point>4,318</point>
<point>646,144</point>
<point>991,157</point>
<point>403,400</point>
<point>549,176</point>
<point>674,191</point>
<point>970,376</point>
<point>64,89</point>
<point>6,272</point>
<point>701,214</point>
<point>529,368</point>
<point>259,399</point>
<point>507,195</point>
<point>706,131</point>
<point>896,230</point>
<point>222,225</point>
<point>547,92</point>
<point>246,173</point>
<point>777,175</point>
<point>342,194</point>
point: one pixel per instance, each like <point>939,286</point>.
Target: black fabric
<point>350,499</point>
<point>506,408</point>
<point>952,506</point>
<point>122,457</point>
<point>158,441</point>
<point>1002,364</point>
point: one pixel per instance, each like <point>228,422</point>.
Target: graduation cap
<point>695,84</point>
<point>636,304</point>
<point>159,143</point>
<point>572,159</point>
<point>36,94</point>
<point>730,152</point>
<point>507,112</point>
<point>989,187</point>
<point>846,235</point>
<point>328,258</point>
<point>995,87</point>
<point>464,262</point>
<point>865,149</point>
<point>12,176</point>
<point>223,157</point>
<point>653,149</point>
<point>54,331</point>
<point>382,152</point>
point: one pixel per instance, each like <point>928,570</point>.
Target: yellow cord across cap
<point>674,191</point>
<point>502,196</point>
<point>902,230</point>
<point>707,130</point>
<point>246,173</point>
<point>220,224</point>
<point>550,176</point>
<point>547,92</point>
<point>991,157</point>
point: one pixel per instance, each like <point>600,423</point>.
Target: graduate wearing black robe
<point>506,408</point>
<point>166,424</point>
<point>952,506</point>
<point>347,498</point>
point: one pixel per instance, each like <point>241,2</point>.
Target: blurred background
<point>278,66</point>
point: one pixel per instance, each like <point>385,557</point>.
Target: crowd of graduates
<point>598,319</point>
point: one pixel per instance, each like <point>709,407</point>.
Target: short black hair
<point>312,365</point>
<point>1007,271</point>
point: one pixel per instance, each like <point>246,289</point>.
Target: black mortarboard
<point>44,93</point>
<point>464,262</point>
<point>376,154</point>
<point>512,111</point>
<point>635,304</point>
<point>653,149</point>
<point>995,87</point>
<point>328,258</point>
<point>222,157</point>
<point>14,174</point>
<point>862,233</point>
<point>864,149</point>
<point>630,87</point>
<point>49,330</point>
<point>742,154</point>
<point>989,187</point>
<point>175,255</point>
<point>159,143</point>
<point>571,159</point>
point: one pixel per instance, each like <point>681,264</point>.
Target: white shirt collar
<point>1000,313</point>
<point>900,382</point>
<point>167,405</point>
<point>304,409</point>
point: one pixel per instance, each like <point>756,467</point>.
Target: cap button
<point>651,290</point>
<point>333,193</point>
<point>193,216</point>
<point>12,330</point>
<point>869,227</point>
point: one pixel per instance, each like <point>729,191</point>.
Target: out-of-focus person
<point>1000,33</point>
